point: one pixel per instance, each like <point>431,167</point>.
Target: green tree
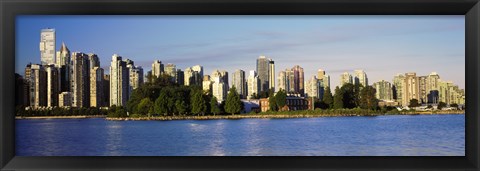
<point>338,99</point>
<point>214,106</point>
<point>161,104</point>
<point>413,103</point>
<point>181,107</point>
<point>328,98</point>
<point>281,99</point>
<point>368,100</point>
<point>198,103</point>
<point>144,107</point>
<point>272,102</point>
<point>441,105</point>
<point>350,97</point>
<point>233,103</point>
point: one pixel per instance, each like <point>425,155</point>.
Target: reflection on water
<point>419,135</point>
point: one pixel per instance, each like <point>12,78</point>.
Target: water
<point>400,135</point>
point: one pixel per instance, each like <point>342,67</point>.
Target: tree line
<point>163,97</point>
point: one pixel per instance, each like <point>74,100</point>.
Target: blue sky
<point>383,46</point>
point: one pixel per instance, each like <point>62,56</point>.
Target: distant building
<point>383,90</point>
<point>96,87</point>
<point>292,103</point>
<point>240,83</point>
<point>253,84</point>
<point>345,78</point>
<point>271,75</point>
<point>63,64</point>
<point>53,85</point>
<point>157,68</point>
<point>326,81</point>
<point>298,80</point>
<point>219,84</point>
<point>265,69</point>
<point>411,88</point>
<point>180,77</point>
<point>106,89</point>
<point>171,70</point>
<point>250,106</point>
<point>80,80</point>
<point>119,81</point>
<point>422,89</point>
<point>37,79</point>
<point>314,88</point>
<point>361,78</point>
<point>94,61</point>
<point>397,87</point>
<point>47,46</point>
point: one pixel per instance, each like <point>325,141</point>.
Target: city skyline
<point>441,39</point>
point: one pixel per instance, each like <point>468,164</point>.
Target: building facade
<point>383,90</point>
<point>47,46</point>
<point>345,78</point>
<point>80,80</point>
<point>96,87</point>
<point>157,68</point>
<point>361,78</point>
<point>240,83</point>
<point>411,88</point>
<point>119,81</point>
<point>53,85</point>
<point>253,84</point>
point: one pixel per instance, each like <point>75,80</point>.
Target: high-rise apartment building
<point>361,78</point>
<point>432,87</point>
<point>253,84</point>
<point>171,70</point>
<point>320,74</point>
<point>188,76</point>
<point>63,63</point>
<point>80,80</point>
<point>383,90</point>
<point>157,68</point>
<point>397,87</point>
<point>326,81</point>
<point>345,78</point>
<point>119,81</point>
<point>37,83</point>
<point>199,76</point>
<point>96,87</point>
<point>240,83</point>
<point>313,88</point>
<point>411,88</point>
<point>422,89</point>
<point>298,80</point>
<point>265,70</point>
<point>53,85</point>
<point>271,75</point>
<point>219,86</point>
<point>135,76</point>
<point>47,46</point>
<point>180,77</point>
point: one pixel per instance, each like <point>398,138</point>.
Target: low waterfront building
<point>292,103</point>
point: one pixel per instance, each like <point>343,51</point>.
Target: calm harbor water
<point>399,135</point>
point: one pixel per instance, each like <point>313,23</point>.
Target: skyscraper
<point>326,81</point>
<point>157,68</point>
<point>361,78</point>
<point>63,62</point>
<point>37,83</point>
<point>320,74</point>
<point>199,76</point>
<point>219,86</point>
<point>411,88</point>
<point>171,70</point>
<point>253,84</point>
<point>383,90</point>
<point>397,87</point>
<point>282,81</point>
<point>180,77</point>
<point>298,80</point>
<point>188,76</point>
<point>96,87</point>
<point>240,83</point>
<point>264,67</point>
<point>53,85</point>
<point>432,85</point>
<point>345,78</point>
<point>119,81</point>
<point>94,61</point>
<point>47,46</point>
<point>313,88</point>
<point>80,80</point>
<point>271,75</point>
<point>422,89</point>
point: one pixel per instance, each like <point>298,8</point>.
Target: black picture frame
<point>10,8</point>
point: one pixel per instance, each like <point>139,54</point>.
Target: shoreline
<point>61,117</point>
<point>265,116</point>
<point>232,117</point>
